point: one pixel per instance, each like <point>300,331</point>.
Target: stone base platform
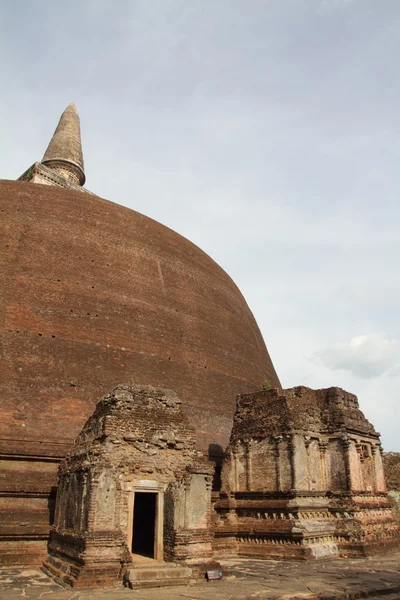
<point>336,579</point>
<point>304,525</point>
<point>157,574</point>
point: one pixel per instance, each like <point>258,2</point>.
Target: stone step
<point>158,574</point>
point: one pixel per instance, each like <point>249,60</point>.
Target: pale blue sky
<point>267,132</point>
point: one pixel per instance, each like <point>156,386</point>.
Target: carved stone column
<point>298,462</point>
<point>347,462</point>
<point>353,465</point>
<point>323,447</point>
<point>186,487</point>
<point>83,511</point>
<point>293,465</point>
<point>374,450</point>
<point>361,458</point>
<point>235,461</point>
<point>377,452</point>
<point>278,440</point>
<point>249,467</point>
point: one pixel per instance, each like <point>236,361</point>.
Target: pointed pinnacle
<point>64,153</point>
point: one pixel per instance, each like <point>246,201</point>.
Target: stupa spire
<point>64,153</point>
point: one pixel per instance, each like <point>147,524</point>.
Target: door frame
<point>151,487</point>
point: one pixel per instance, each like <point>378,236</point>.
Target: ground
<point>338,579</point>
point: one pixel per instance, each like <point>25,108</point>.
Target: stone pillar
<point>85,491</point>
<point>361,458</point>
<point>307,442</point>
<point>323,446</point>
<point>249,466</point>
<point>277,441</point>
<point>91,527</point>
<point>352,462</point>
<point>298,462</point>
<point>235,460</point>
<point>346,448</point>
<point>186,487</point>
<point>377,452</point>
<point>293,461</point>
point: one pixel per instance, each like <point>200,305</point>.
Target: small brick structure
<point>391,462</point>
<point>133,490</point>
<point>303,478</point>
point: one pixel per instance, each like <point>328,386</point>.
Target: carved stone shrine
<point>303,478</point>
<point>133,492</point>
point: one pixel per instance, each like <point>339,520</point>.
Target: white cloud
<point>330,4</point>
<point>365,356</point>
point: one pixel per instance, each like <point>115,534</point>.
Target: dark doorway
<point>144,520</point>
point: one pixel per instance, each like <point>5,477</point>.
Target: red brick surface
<point>92,295</point>
<point>96,294</point>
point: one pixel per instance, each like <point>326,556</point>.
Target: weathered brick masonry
<point>303,478</point>
<point>93,294</point>
<point>391,461</point>
<point>137,440</point>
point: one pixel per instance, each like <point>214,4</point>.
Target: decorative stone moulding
<point>67,170</point>
<point>59,177</point>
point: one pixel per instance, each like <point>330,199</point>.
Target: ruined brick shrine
<point>303,478</point>
<point>133,487</point>
<point>153,483</point>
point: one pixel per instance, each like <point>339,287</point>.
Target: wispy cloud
<point>365,356</point>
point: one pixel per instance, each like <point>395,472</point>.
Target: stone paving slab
<point>339,579</point>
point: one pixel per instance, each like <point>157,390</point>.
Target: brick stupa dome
<point>96,294</point>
